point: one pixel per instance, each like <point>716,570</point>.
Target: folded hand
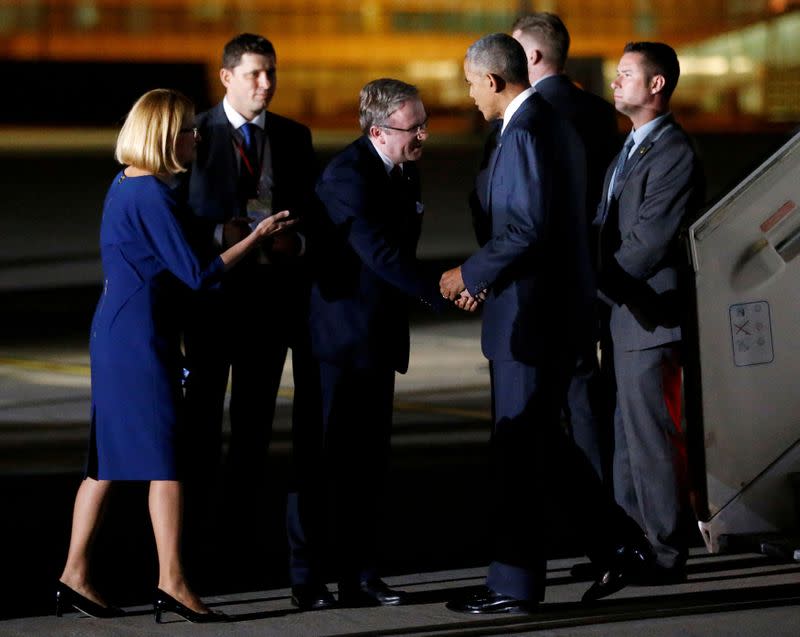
<point>451,284</point>
<point>467,302</point>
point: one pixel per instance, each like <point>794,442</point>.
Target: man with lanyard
<point>251,163</point>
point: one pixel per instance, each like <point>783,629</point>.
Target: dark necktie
<point>250,172</point>
<point>396,176</point>
<point>609,237</point>
<point>250,146</point>
<point>622,160</point>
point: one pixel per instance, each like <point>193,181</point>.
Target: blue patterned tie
<point>249,175</point>
<point>247,133</point>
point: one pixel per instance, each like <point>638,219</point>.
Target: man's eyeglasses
<point>194,131</point>
<point>417,129</point>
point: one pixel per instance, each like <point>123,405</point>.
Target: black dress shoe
<point>68,598</point>
<point>373,592</point>
<point>312,597</point>
<point>628,562</point>
<point>166,603</point>
<point>486,601</point>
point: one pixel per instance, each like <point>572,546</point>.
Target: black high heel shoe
<point>165,603</point>
<point>66,599</point>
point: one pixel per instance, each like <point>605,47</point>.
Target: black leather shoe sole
<point>629,562</point>
<point>317,602</point>
<point>360,600</point>
<point>493,605</point>
<point>371,593</point>
<point>607,584</point>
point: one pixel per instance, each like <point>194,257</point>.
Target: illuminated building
<point>740,57</point>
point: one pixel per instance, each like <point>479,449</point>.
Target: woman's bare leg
<point>86,514</point>
<point>166,512</point>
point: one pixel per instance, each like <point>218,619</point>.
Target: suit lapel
<point>603,212</point>
<point>490,171</point>
<point>398,192</point>
<point>272,134</point>
<point>376,165</point>
<point>402,224</point>
<point>489,152</point>
<point>222,140</point>
<point>527,104</point>
<point>609,237</point>
<point>641,150</point>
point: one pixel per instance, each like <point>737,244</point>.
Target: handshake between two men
<point>452,287</point>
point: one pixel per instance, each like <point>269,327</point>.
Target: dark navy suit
<point>534,260</point>
<point>366,274</point>
<point>590,403</point>
<point>640,267</point>
<point>249,325</point>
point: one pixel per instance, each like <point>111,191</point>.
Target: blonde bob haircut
<point>147,138</point>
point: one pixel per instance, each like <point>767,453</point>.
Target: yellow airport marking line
<point>425,408</point>
<point>460,389</point>
<point>32,365</point>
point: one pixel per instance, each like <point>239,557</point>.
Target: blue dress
<point>135,337</point>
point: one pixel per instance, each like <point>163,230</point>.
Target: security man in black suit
<point>590,398</point>
<point>250,164</point>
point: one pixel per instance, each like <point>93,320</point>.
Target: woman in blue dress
<point>135,348</point>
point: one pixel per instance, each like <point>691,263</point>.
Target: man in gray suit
<point>649,193</point>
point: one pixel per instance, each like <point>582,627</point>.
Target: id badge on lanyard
<point>259,207</point>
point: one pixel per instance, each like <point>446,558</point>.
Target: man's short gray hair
<point>380,98</point>
<point>500,55</point>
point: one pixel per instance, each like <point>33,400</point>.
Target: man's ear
<point>225,77</point>
<point>375,133</point>
<point>657,83</point>
<point>535,57</point>
<point>496,83</point>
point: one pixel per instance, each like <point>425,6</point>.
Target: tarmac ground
<point>435,532</point>
<point>741,595</point>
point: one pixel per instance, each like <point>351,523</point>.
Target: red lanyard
<point>248,165</point>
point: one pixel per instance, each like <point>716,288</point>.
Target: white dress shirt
<point>514,105</point>
<point>259,209</point>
